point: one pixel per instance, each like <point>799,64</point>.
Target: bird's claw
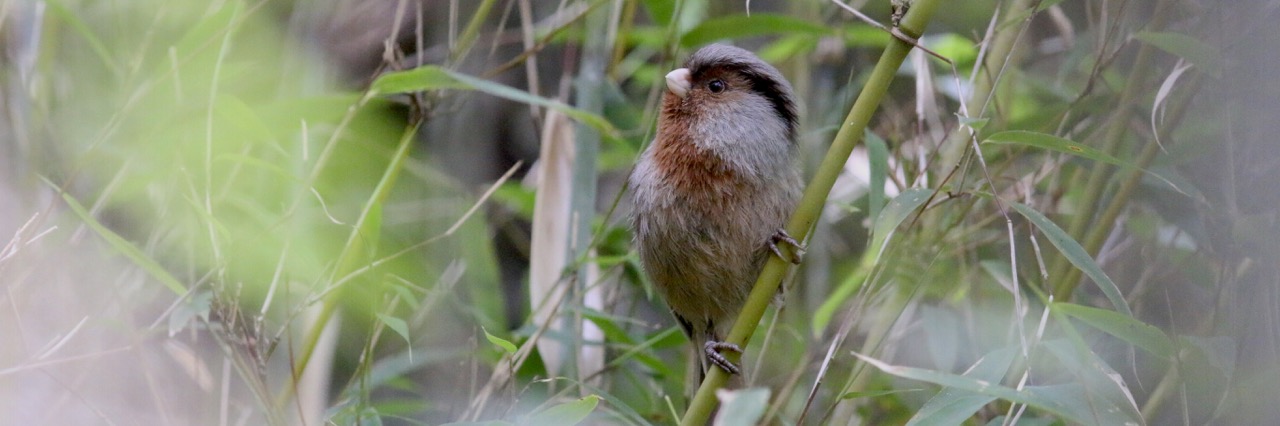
<point>783,237</point>
<point>713,349</point>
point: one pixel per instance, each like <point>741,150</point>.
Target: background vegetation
<point>408,212</point>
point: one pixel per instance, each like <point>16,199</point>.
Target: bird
<point>713,191</point>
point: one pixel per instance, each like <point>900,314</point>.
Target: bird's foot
<point>783,237</point>
<point>713,348</point>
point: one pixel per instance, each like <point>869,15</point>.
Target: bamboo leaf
<point>878,157</point>
<point>875,394</point>
<point>1066,146</point>
<point>1070,401</point>
<point>742,407</point>
<point>1187,47</point>
<point>566,414</point>
<point>504,344</point>
<point>896,211</point>
<point>893,214</point>
<point>954,405</point>
<point>433,77</point>
<point>741,26</point>
<point>1127,328</point>
<point>1076,254</point>
<point>397,325</point>
<point>123,246</point>
<point>1054,143</point>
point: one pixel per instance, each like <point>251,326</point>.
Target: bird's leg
<point>713,348</point>
<point>783,237</point>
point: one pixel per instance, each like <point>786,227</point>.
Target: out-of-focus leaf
<point>975,123</point>
<point>499,342</point>
<point>1187,47</point>
<point>566,414</point>
<point>1076,254</point>
<point>878,157</point>
<point>1051,142</point>
<point>893,214</point>
<point>1070,401</point>
<point>874,394</point>
<point>1127,328</point>
<point>123,246</point>
<point>196,306</point>
<point>741,407</point>
<point>1066,146</point>
<point>1019,15</point>
<point>954,405</point>
<point>432,77</point>
<point>740,26</point>
<point>896,211</point>
<point>397,325</point>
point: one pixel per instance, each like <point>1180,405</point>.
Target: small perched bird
<point>713,191</point>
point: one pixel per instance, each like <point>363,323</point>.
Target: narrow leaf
<point>1187,47</point>
<point>1076,254</point>
<point>875,394</point>
<point>1069,401</point>
<point>397,325</point>
<point>433,77</point>
<point>124,246</point>
<point>953,405</point>
<point>740,26</point>
<point>1127,328</point>
<point>566,414</point>
<point>1051,142</point>
<point>896,211</point>
<point>741,407</point>
<point>878,157</point>
<point>506,346</point>
<point>1066,146</point>
<point>893,214</point>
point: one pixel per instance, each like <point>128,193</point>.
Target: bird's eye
<point>716,86</point>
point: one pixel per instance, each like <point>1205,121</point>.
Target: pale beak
<point>679,82</point>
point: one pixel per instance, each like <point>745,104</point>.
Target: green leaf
<point>975,123</point>
<point>58,10</point>
<point>196,306</point>
<point>1019,15</point>
<point>878,157</point>
<point>420,79</point>
<point>1054,143</point>
<point>875,394</point>
<point>397,325</point>
<point>433,77</point>
<point>566,414</point>
<point>1071,401</point>
<point>506,346</point>
<point>122,245</point>
<point>890,217</point>
<point>661,11</point>
<point>953,405</point>
<point>1187,47</point>
<point>1066,146</point>
<point>1137,333</point>
<point>893,214</point>
<point>741,26</point>
<point>1076,254</point>
<point>742,407</point>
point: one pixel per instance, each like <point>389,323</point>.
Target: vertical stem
<point>590,98</point>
